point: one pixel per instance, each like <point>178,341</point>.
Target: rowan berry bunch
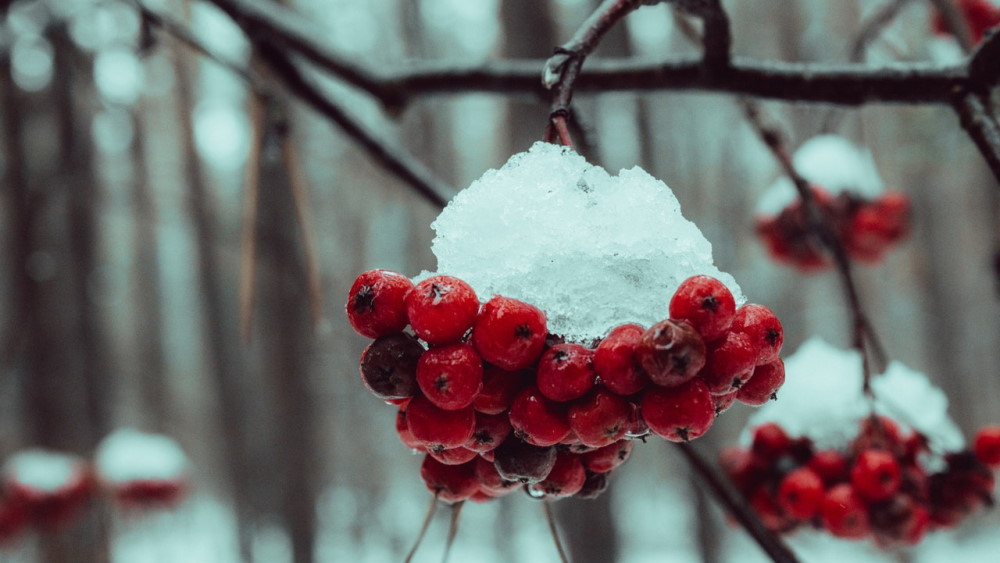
<point>877,487</point>
<point>866,227</point>
<point>499,404</point>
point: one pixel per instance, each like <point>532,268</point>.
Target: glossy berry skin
<point>565,479</point>
<point>679,414</point>
<point>671,353</point>
<point>518,461</point>
<point>616,363</point>
<point>450,376</point>
<point>729,363</point>
<point>599,418</point>
<point>801,493</point>
<point>876,475</point>
<point>499,389</point>
<point>706,304</point>
<point>986,446</point>
<point>763,329</point>
<point>376,303</point>
<point>844,514</point>
<point>566,372</point>
<point>450,483</point>
<point>509,333</point>
<point>439,428</point>
<point>491,430</point>
<point>537,420</point>
<point>441,309</point>
<point>763,384</point>
<point>607,458</point>
<point>389,366</point>
<point>403,429</point>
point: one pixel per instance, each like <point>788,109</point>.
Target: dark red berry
<point>607,458</point>
<point>376,303</point>
<point>616,363</point>
<point>516,460</point>
<point>844,514</point>
<point>876,475</point>
<point>801,493</point>
<point>450,376</point>
<point>764,330</point>
<point>706,304</point>
<point>830,465</point>
<point>566,372</point>
<point>491,430</point>
<point>599,418</point>
<point>537,420</point>
<point>565,479</point>
<point>770,441</point>
<point>442,309</point>
<point>450,483</point>
<point>729,363</point>
<point>593,486</point>
<point>671,353</point>
<point>509,333</point>
<point>499,389</point>
<point>389,366</point>
<point>986,445</point>
<point>763,384</point>
<point>490,480</point>
<point>438,428</point>
<point>679,414</point>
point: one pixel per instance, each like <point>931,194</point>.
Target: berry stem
<point>551,520</point>
<point>423,529</point>
<point>456,512</point>
<point>730,497</point>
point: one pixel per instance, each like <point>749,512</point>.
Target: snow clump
<point>130,455</point>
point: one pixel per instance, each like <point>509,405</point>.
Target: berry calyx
<point>490,431</point>
<point>450,376</point>
<point>509,333</point>
<point>376,303</point>
<point>671,353</point>
<point>763,384</point>
<point>441,309</point>
<point>706,304</point>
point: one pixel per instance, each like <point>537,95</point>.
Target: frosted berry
<point>616,363</point>
<point>453,456</point>
<point>600,418</point>
<point>723,402</point>
<point>986,445</point>
<point>538,420</point>
<point>566,372</point>
<point>607,458</point>
<point>439,428</point>
<point>490,431</point>
<point>671,353</point>
<point>441,309</point>
<point>389,366</point>
<point>706,304</point>
<point>376,303</point>
<point>450,483</point>
<point>565,479</point>
<point>763,384</point>
<point>491,481</point>
<point>729,363</point>
<point>593,486</point>
<point>450,376</point>
<point>844,514</point>
<point>801,493</point>
<point>509,333</point>
<point>679,414</point>
<point>876,475</point>
<point>516,460</point>
<point>764,330</point>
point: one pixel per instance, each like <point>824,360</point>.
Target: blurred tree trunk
<point>529,33</point>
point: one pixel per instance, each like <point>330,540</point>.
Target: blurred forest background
<point>127,224</point>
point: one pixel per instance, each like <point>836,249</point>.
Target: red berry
<point>729,363</point>
<point>608,457</point>
<point>723,402</point>
<point>450,376</point>
<point>876,475</point>
<point>593,486</point>
<point>671,353</point>
<point>801,493</point>
<point>706,304</point>
<point>770,441</point>
<point>764,503</point>
<point>830,465</point>
<point>491,430</point>
<point>516,460</point>
<point>509,333</point>
<point>743,468</point>
<point>616,363</point>
<point>986,445</point>
<point>453,456</point>
<point>450,483</point>
<point>566,372</point>
<point>437,427</point>
<point>403,429</point>
<point>565,479</point>
<point>499,389</point>
<point>764,330</point>
<point>376,303</point>
<point>600,418</point>
<point>844,514</point>
<point>679,414</point>
<point>537,420</point>
<point>389,366</point>
<point>442,309</point>
<point>763,384</point>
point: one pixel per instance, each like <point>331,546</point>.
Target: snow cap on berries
<point>822,399</point>
<point>590,249</point>
<point>43,470</point>
<point>828,161</point>
<point>128,455</point>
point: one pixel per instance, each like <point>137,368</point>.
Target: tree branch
<point>981,127</point>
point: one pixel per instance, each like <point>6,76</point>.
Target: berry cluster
<point>876,488</point>
<point>867,228</point>
<point>979,16</point>
<point>498,403</point>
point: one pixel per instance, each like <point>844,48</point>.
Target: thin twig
<point>955,22</point>
<point>428,518</point>
<point>730,497</point>
<point>873,27</point>
<point>550,519</point>
<point>248,236</point>
<point>981,127</point>
<point>456,512</point>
